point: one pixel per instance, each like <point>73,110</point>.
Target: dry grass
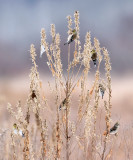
<point>66,118</point>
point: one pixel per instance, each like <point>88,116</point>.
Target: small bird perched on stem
<point>101,90</point>
<point>33,95</point>
<point>94,57</point>
<point>17,130</point>
<point>63,105</point>
<point>115,128</point>
<point>42,50</point>
<point>72,36</point>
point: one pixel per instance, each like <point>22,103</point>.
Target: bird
<point>115,128</point>
<point>101,90</point>
<point>94,57</point>
<point>17,130</point>
<point>72,36</point>
<point>33,95</point>
<point>63,105</point>
<point>42,50</point>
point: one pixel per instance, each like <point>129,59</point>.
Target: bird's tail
<point>71,40</point>
<point>95,63</point>
<point>60,107</point>
<point>68,42</point>
<point>102,95</point>
<point>23,135</point>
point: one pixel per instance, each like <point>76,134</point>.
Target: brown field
<point>122,111</point>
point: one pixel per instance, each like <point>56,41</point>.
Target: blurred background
<point>20,25</point>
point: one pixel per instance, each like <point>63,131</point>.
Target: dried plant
<point>71,125</point>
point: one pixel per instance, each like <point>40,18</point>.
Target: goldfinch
<point>63,105</point>
<point>94,57</point>
<point>71,37</point>
<point>42,50</point>
<point>17,130</point>
<point>33,95</point>
<point>101,90</point>
<point>115,128</point>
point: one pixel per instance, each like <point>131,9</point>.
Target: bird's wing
<point>69,37</point>
<point>42,50</point>
<point>100,94</point>
<point>21,133</point>
<point>15,131</point>
<point>113,128</point>
<point>74,36</point>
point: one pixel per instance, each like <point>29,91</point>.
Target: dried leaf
<point>53,71</point>
<point>105,133</point>
<point>75,54</point>
<point>41,84</point>
<point>108,155</point>
<point>78,83</point>
<point>91,91</point>
<point>43,97</point>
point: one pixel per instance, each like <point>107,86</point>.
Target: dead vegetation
<point>69,128</point>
